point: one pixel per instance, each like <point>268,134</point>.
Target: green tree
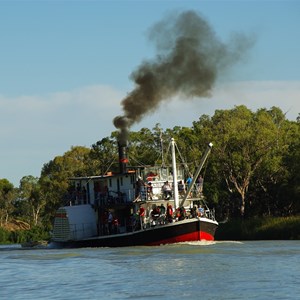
<point>244,142</point>
<point>103,156</point>
<point>30,191</point>
<point>56,174</point>
<point>7,197</point>
<point>272,174</point>
<point>143,147</point>
<point>286,192</point>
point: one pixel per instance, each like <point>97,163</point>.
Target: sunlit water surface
<point>200,270</point>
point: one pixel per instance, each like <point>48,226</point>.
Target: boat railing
<point>113,197</point>
<point>75,198</point>
<point>210,214</point>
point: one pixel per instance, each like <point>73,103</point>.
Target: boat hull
<point>180,231</point>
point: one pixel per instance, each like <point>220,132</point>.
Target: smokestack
<point>123,159</point>
<point>190,58</point>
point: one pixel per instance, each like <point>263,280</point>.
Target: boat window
<point>110,183</point>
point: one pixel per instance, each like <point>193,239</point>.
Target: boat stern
<point>74,223</point>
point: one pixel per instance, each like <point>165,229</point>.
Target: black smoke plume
<point>189,59</point>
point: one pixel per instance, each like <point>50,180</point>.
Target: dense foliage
<point>253,169</point>
<point>269,228</point>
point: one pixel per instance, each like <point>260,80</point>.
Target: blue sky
<point>65,67</point>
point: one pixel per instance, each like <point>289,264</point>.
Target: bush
<point>270,228</point>
<point>36,233</point>
<point>20,236</point>
<point>4,236</point>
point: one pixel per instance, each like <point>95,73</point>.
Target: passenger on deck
<point>139,189</point>
<point>169,214</point>
<point>181,188</point>
<point>167,190</point>
<point>149,191</point>
<point>110,221</point>
<point>162,209</point>
<point>155,212</point>
<point>162,214</point>
<point>180,213</point>
<point>142,214</point>
<point>200,211</point>
<point>188,183</point>
<point>194,211</point>
<point>115,224</point>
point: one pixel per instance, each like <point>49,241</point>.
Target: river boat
<point>109,211</point>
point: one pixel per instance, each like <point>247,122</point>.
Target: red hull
<point>185,238</point>
<point>182,231</point>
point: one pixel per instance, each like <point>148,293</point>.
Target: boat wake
<point>229,242</point>
<point>198,243</point>
<point>209,243</point>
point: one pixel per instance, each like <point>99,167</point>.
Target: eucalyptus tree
<point>103,156</point>
<point>215,187</point>
<point>244,143</point>
<point>7,197</point>
<point>56,173</point>
<point>187,146</point>
<point>143,147</point>
<point>272,176</point>
<point>30,192</point>
<point>287,192</point>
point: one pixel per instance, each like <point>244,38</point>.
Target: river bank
<point>265,228</point>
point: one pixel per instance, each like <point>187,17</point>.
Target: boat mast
<point>162,149</point>
<point>204,157</point>
<point>175,184</point>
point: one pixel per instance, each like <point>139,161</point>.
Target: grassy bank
<point>20,236</point>
<point>267,228</point>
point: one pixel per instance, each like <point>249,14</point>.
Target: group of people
<point>197,211</point>
<point>109,223</point>
<point>182,187</point>
<point>158,215</point>
<point>144,191</point>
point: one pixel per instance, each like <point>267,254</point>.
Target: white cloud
<point>62,108</point>
<point>254,95</point>
<point>34,129</point>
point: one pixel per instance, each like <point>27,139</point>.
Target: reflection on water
<point>194,270</point>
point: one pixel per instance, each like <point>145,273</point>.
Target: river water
<point>200,270</point>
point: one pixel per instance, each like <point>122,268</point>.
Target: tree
<point>143,147</point>
<point>31,192</point>
<point>103,156</point>
<point>7,196</point>
<point>56,174</point>
<point>244,141</point>
<point>286,192</point>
